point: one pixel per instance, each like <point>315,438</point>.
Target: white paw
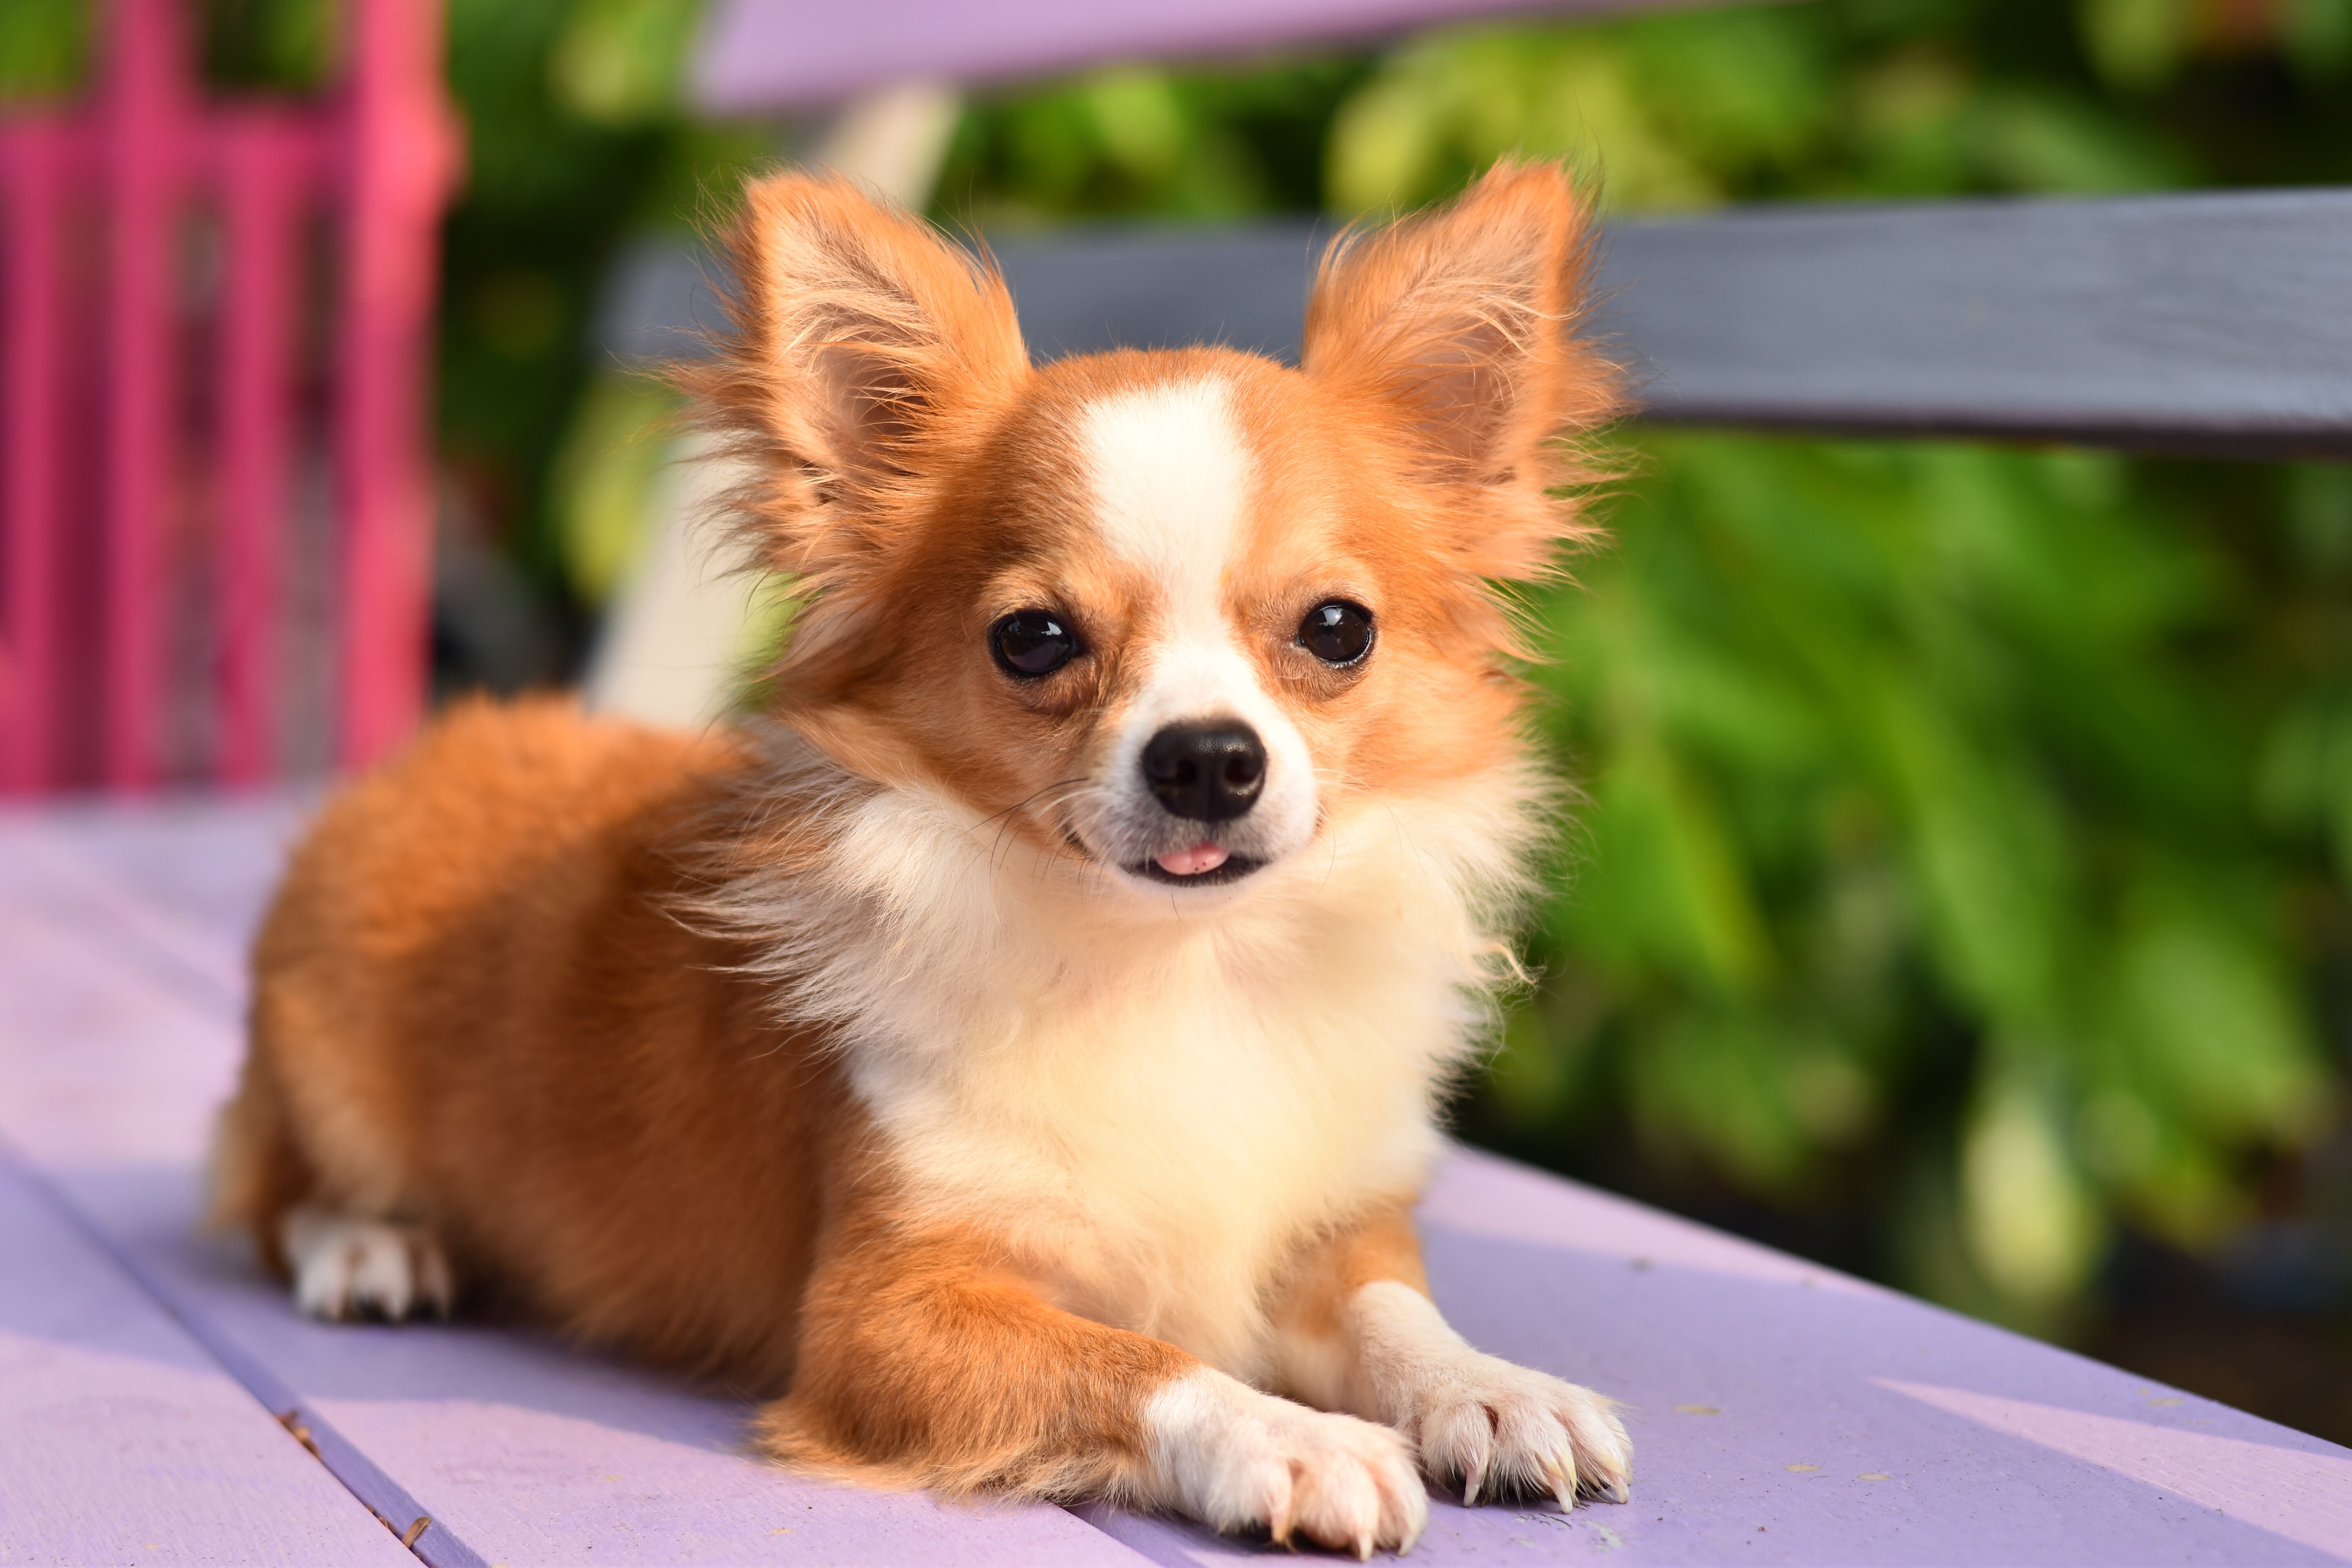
<point>1494,1428</point>
<point>1484,1424</point>
<point>346,1267</point>
<point>1239,1459</point>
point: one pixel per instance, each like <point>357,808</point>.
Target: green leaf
<point>2205,1017</point>
<point>2031,1223</point>
<point>1663,886</point>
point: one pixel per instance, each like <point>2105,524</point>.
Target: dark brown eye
<point>1337,632</point>
<point>1031,643</point>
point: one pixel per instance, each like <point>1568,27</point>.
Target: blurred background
<point>1961,893</point>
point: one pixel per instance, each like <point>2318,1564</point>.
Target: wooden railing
<point>2214,322</point>
<point>156,397</point>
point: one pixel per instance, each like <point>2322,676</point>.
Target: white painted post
<point>684,631</point>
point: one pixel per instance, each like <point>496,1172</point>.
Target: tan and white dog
<point>1018,1052</point>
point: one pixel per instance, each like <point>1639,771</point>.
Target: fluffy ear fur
<point>865,350</point>
<point>1461,325</point>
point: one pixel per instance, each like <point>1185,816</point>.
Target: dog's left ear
<point>1461,322</point>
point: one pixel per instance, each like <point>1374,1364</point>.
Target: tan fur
<point>834,1055</point>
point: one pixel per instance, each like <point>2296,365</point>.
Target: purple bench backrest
<point>798,54</point>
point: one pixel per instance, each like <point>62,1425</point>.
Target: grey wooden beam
<point>2218,322</point>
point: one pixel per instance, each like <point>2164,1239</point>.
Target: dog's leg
<point>924,1362</point>
<point>1358,1331</point>
<point>347,1267</point>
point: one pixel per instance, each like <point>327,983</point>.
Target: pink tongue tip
<point>1203,857</point>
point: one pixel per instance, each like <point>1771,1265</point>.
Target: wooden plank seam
<point>408,1520</point>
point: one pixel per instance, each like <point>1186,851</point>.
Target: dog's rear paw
<point>1239,1459</point>
<point>346,1267</point>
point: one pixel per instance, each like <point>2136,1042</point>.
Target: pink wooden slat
<point>33,157</point>
<point>264,172</point>
<point>401,153</point>
<point>144,111</point>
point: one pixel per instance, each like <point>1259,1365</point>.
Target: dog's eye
<point>1337,632</point>
<point>1031,643</point>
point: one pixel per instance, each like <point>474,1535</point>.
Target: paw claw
<point>1561,1472</point>
<point>1502,1428</point>
<point>1414,1529</point>
<point>1236,1458</point>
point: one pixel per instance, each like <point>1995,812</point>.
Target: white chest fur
<point>1153,1150</point>
<point>1152,1101</point>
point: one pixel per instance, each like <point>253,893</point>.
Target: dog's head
<point>1171,613</point>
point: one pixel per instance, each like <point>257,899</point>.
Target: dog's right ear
<point>864,345</point>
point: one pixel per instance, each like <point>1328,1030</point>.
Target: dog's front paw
<point>1482,1423</point>
<point>1492,1427</point>
<point>346,1267</point>
<point>1240,1459</point>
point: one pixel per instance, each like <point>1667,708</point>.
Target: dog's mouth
<point>1204,865</point>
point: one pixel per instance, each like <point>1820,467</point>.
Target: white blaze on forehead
<point>1171,474</point>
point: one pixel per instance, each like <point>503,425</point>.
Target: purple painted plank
<point>103,1061</point>
<point>119,1035</point>
<point>116,1042</point>
<point>760,55</point>
<point>122,1442</point>
<point>175,883</point>
<point>530,1451</point>
<point>1781,1412</point>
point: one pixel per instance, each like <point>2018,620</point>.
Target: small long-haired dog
<point>1018,1051</point>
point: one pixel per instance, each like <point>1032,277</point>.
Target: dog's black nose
<point>1207,771</point>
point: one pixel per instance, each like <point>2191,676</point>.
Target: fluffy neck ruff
<point>1146,1097</point>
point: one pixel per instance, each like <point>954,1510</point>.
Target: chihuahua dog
<point>1017,1050</point>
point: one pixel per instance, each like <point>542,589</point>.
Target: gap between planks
<point>381,1496</point>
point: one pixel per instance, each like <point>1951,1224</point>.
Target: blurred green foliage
<point>1953,882</point>
<point>1925,868</point>
<point>577,143</point>
<point>1962,870</point>
<point>44,48</point>
<point>1140,141</point>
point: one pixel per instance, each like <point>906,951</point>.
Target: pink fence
<point>170,352</point>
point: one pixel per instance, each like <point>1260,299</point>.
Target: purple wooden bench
<point>161,1402</point>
